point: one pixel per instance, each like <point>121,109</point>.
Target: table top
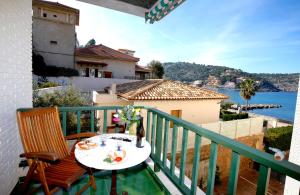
<point>95,157</point>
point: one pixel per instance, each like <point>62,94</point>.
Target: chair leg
<point>28,176</point>
<point>90,183</point>
<point>92,179</point>
<point>43,179</point>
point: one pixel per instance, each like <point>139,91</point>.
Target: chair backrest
<point>41,131</point>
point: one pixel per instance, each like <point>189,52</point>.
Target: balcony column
<point>292,186</point>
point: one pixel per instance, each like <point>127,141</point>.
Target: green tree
<point>247,90</point>
<point>69,97</point>
<point>157,69</point>
<point>90,43</point>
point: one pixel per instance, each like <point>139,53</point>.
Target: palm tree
<point>248,90</point>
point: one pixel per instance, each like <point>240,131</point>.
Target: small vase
<point>132,129</point>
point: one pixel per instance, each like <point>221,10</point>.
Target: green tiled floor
<point>136,180</point>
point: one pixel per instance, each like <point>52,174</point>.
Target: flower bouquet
<point>130,116</point>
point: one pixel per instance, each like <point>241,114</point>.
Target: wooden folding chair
<point>46,150</point>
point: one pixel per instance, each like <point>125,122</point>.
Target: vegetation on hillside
<point>190,72</point>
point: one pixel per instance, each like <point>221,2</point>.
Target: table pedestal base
<point>113,188</point>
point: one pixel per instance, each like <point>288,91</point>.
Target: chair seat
<point>64,173</point>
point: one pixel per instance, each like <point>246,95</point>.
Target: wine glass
<point>103,139</point>
<point>119,145</point>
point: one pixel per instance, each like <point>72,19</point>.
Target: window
<point>96,72</point>
<point>53,42</point>
<point>55,16</point>
<point>45,15</point>
<point>176,113</point>
<point>82,72</point>
<point>87,72</point>
<point>92,72</point>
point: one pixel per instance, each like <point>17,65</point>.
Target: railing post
<point>64,123</point>
<point>197,153</point>
<point>148,126</point>
<point>183,156</point>
<point>153,132</point>
<point>105,121</point>
<point>166,141</point>
<point>158,140</point>
<point>78,121</point>
<point>212,168</point>
<point>174,148</point>
<point>92,121</point>
<point>234,172</point>
<point>263,180</point>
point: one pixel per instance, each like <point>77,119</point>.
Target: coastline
<point>272,121</point>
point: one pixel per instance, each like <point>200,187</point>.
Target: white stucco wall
<point>16,82</point>
<point>194,111</point>
<point>87,84</point>
<point>293,186</point>
<point>119,69</point>
<point>60,54</point>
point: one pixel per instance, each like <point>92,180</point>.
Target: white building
<point>53,32</point>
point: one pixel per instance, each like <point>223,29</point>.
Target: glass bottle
<point>140,134</point>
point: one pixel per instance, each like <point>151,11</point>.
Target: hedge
<point>55,71</point>
<point>279,137</point>
<point>40,68</point>
<point>229,117</point>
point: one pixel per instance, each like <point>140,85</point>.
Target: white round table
<point>94,158</point>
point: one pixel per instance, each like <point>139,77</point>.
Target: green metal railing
<point>157,134</point>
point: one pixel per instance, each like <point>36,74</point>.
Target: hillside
<point>221,76</point>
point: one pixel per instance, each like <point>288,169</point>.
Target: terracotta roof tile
<point>54,4</point>
<point>139,68</point>
<point>104,52</point>
<point>157,89</point>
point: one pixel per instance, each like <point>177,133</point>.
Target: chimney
<point>127,51</point>
<point>113,89</point>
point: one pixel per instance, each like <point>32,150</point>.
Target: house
<point>53,32</point>
<point>173,97</point>
<point>101,61</point>
<point>142,72</point>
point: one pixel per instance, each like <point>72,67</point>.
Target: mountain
<point>221,76</point>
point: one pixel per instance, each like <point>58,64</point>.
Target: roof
<point>139,68</point>
<point>104,52</point>
<point>54,5</point>
<point>157,89</point>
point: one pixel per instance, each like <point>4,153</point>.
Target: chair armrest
<point>44,156</point>
<point>80,135</point>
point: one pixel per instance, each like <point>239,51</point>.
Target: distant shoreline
<point>236,89</point>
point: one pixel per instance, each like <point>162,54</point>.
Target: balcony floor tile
<point>135,180</point>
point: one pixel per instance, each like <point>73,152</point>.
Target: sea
<point>286,99</point>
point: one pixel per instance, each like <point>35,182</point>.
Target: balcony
<point>167,169</point>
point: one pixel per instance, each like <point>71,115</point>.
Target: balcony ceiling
<point>147,4</point>
<point>152,10</point>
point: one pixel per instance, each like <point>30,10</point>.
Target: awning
<point>161,9</point>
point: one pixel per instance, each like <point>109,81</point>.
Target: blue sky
<point>255,36</point>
